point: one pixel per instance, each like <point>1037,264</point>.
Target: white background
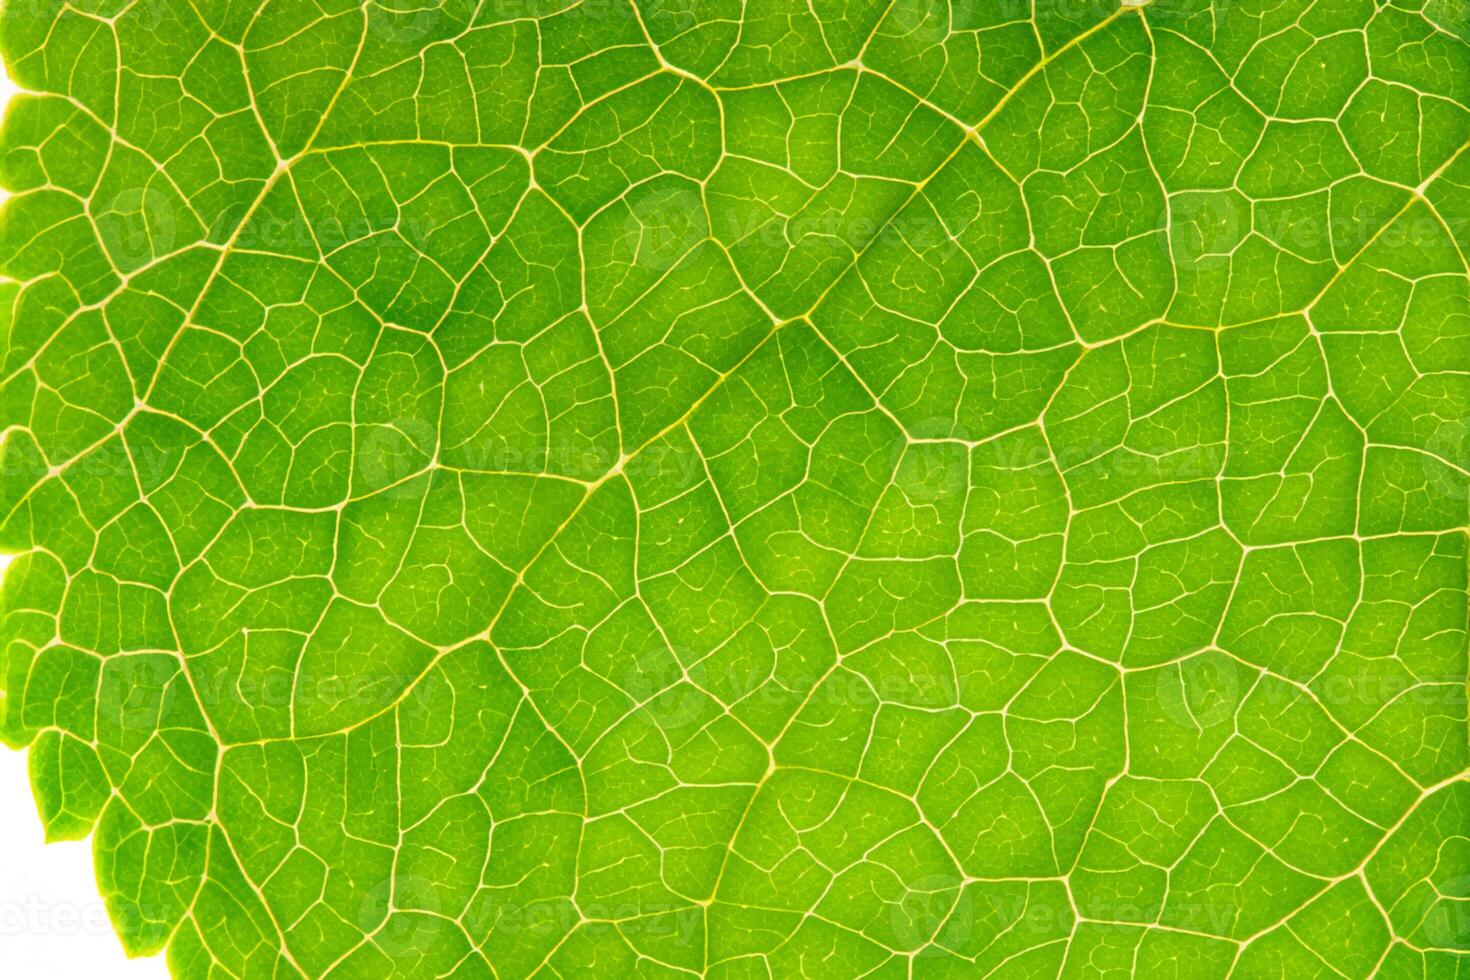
<point>53,925</point>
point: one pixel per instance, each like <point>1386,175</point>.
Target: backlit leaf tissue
<point>744,488</point>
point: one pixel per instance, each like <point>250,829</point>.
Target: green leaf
<point>756,488</point>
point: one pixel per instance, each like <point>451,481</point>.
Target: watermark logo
<point>404,21</point>
<point>397,915</point>
<point>1202,692</point>
<point>133,691</point>
<point>388,455</point>
<point>934,915</point>
<point>1445,921</point>
<point>665,221</point>
<point>37,916</point>
<point>137,226</point>
<point>1207,227</point>
<point>1448,460</point>
<point>927,21</point>
<point>929,472</point>
<point>665,698</point>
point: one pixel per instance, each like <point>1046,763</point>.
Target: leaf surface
<point>753,488</point>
